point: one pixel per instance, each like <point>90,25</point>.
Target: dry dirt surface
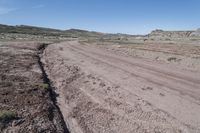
<point>102,91</point>
<point>185,54</point>
<point>26,104</point>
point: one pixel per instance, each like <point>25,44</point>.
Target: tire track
<point>109,93</point>
<point>187,86</point>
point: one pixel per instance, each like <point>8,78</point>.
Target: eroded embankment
<point>27,102</point>
<point>52,93</point>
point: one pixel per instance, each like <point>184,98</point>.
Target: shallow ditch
<point>51,91</point>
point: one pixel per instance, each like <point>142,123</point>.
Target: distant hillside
<point>196,33</point>
<point>76,33</point>
<point>82,33</point>
<point>170,34</point>
<point>24,29</point>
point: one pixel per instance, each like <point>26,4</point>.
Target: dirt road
<point>101,91</point>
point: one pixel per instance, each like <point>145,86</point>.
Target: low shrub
<point>172,59</point>
<point>6,116</point>
<point>45,86</point>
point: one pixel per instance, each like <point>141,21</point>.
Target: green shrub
<point>6,115</point>
<point>172,59</point>
<point>45,86</point>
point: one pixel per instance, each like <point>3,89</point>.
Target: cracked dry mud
<point>101,91</point>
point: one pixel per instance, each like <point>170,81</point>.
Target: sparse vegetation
<point>26,90</point>
<point>24,32</point>
<point>25,102</point>
<point>6,116</point>
<point>44,86</point>
<point>172,59</point>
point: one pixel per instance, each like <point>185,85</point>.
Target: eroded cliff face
<point>170,34</point>
<point>196,33</point>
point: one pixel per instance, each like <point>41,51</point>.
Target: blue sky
<point>113,16</point>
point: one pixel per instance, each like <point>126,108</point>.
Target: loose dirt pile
<point>25,97</point>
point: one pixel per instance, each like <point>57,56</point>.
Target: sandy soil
<point>184,54</point>
<point>102,91</point>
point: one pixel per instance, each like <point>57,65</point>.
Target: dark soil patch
<point>27,101</point>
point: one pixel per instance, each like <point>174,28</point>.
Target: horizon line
<point>89,30</point>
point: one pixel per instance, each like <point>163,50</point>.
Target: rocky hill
<point>170,34</point>
<point>40,31</point>
<point>24,32</point>
<point>196,33</point>
<point>23,29</point>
